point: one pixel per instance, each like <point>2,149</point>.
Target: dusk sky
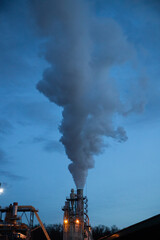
<point>98,63</point>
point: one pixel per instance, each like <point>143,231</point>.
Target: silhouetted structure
<point>11,225</point>
<point>102,231</point>
<point>147,229</point>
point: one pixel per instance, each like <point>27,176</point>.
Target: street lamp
<point>1,189</point>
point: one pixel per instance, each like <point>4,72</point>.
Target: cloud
<point>11,176</point>
<point>38,139</point>
<point>49,145</point>
<point>28,112</point>
<point>4,173</point>
<point>53,146</point>
<point>3,157</point>
<point>5,126</point>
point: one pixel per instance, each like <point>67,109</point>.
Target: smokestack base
<point>76,222</point>
<point>80,193</point>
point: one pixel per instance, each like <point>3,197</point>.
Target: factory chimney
<point>76,221</point>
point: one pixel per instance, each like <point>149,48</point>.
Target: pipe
<point>15,209</point>
<point>42,226</point>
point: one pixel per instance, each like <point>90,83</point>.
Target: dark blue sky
<point>123,188</point>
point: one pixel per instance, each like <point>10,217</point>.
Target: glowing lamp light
<point>77,221</point>
<point>116,235</point>
<point>1,190</point>
<point>65,221</point>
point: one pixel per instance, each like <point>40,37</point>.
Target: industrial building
<point>76,224</point>
<point>76,221</point>
<point>11,225</point>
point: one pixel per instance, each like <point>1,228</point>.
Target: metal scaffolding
<point>11,226</point>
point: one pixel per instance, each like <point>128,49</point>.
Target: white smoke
<point>81,50</point>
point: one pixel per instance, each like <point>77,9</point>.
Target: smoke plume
<point>81,49</point>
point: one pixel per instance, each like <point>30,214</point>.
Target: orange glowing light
<point>116,235</point>
<point>65,221</point>
<point>77,221</point>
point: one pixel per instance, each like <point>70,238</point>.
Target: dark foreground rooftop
<point>147,229</point>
